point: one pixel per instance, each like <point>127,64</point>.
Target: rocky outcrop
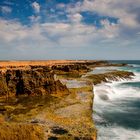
<point>30,82</point>
<point>50,117</point>
<point>71,70</point>
<point>68,68</point>
<point>113,76</point>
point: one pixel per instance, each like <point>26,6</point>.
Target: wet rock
<point>76,138</point>
<point>70,68</point>
<point>2,109</point>
<point>110,76</point>
<point>38,121</point>
<point>59,130</point>
<point>52,138</point>
<point>35,121</point>
<point>104,97</point>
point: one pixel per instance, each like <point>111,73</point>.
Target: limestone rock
<point>31,82</point>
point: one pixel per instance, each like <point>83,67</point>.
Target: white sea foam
<point>111,97</point>
<point>101,106</point>
<point>135,65</point>
<point>118,133</point>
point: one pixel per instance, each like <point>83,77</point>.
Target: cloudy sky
<point>69,29</point>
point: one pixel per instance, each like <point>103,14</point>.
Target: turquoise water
<point>131,84</point>
<point>117,117</point>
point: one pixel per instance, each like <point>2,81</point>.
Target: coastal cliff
<point>54,99</point>
<point>30,82</point>
<point>34,98</point>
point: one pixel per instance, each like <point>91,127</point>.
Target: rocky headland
<point>52,100</point>
<point>110,76</point>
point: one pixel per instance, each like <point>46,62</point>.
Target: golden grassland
<point>42,62</point>
<point>16,131</point>
<point>72,113</point>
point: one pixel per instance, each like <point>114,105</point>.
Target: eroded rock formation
<point>113,76</point>
<point>30,82</point>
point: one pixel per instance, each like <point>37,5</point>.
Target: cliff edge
<point>35,103</point>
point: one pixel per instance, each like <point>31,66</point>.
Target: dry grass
<point>13,131</point>
<point>43,62</point>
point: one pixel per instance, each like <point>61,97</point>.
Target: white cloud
<point>111,30</point>
<point>74,33</point>
<point>5,9</point>
<point>11,32</point>
<point>61,5</point>
<point>36,7</point>
<point>126,12</point>
<point>117,9</point>
<point>53,34</point>
<point>129,21</point>
<point>34,18</point>
<point>76,18</point>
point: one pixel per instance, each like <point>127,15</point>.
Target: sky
<point>69,29</point>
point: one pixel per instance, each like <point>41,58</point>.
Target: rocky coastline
<point>50,98</point>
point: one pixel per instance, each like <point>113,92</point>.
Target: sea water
<point>117,106</point>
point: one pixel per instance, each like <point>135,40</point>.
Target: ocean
<point>117,105</point>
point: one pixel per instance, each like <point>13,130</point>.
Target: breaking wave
<point>117,109</point>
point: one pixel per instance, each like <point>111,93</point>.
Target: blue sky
<point>69,29</point>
